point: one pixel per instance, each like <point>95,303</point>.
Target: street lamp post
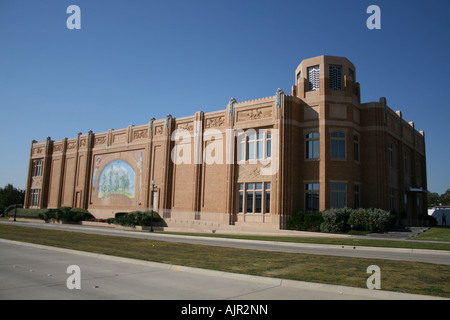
<point>151,213</point>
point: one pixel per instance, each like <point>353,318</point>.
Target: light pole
<point>151,212</point>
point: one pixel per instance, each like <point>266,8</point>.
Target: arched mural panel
<point>117,179</point>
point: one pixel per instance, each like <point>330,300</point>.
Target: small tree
<point>10,195</point>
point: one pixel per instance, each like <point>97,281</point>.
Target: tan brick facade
<point>251,164</point>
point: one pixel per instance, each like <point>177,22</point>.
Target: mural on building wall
<point>116,179</point>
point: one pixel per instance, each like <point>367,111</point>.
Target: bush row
<point>65,215</point>
<point>135,218</point>
<point>342,220</point>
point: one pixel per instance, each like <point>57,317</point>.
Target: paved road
<point>418,255</point>
<point>29,271</point>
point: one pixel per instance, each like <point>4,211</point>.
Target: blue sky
<point>134,60</point>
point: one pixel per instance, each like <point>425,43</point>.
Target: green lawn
<point>401,276</point>
<point>434,234</point>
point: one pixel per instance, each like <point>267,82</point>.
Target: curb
<point>366,293</point>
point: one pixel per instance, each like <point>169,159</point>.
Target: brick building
<point>250,165</point>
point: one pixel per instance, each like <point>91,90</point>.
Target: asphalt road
<point>418,255</point>
<point>29,271</point>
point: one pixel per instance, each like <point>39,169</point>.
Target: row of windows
<point>338,196</point>
<point>392,160</point>
<point>334,74</point>
<point>254,197</point>
<point>338,146</point>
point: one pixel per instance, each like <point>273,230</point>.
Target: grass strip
<point>409,277</point>
<point>336,241</point>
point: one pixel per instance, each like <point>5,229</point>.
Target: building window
<point>34,197</point>
<point>312,197</point>
<point>312,145</point>
<point>37,168</point>
<point>242,149</point>
<point>351,74</point>
<point>313,78</point>
<point>391,154</point>
<point>337,145</point>
<point>251,146</point>
<point>357,194</point>
<point>392,200</point>
<point>254,197</point>
<point>419,204</point>
<point>406,162</point>
<point>255,146</point>
<point>338,195</point>
<point>268,144</point>
<point>241,197</point>
<point>356,147</point>
<point>267,195</point>
<point>299,76</point>
<point>335,75</point>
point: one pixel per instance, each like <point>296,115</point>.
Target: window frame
<point>336,142</point>
<point>35,195</point>
<point>357,195</point>
<point>313,73</point>
<point>312,189</point>
<point>37,168</point>
<point>335,71</point>
<point>250,145</point>
<point>356,148</point>
<point>253,197</point>
<point>314,142</point>
<point>338,193</point>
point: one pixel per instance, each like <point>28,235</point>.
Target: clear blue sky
<point>134,60</point>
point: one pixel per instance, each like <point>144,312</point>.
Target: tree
<point>10,195</point>
<point>445,198</point>
<point>434,199</point>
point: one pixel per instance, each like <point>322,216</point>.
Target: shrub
<point>47,215</point>
<point>378,220</point>
<point>304,221</point>
<point>373,220</point>
<point>77,215</point>
<point>295,221</point>
<point>65,215</point>
<point>335,220</point>
<point>136,218</point>
<point>358,219</point>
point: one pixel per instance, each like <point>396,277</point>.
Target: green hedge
<point>66,215</point>
<point>135,218</point>
<point>342,220</point>
<point>305,221</point>
<point>373,220</point>
<point>25,213</point>
<point>335,220</point>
